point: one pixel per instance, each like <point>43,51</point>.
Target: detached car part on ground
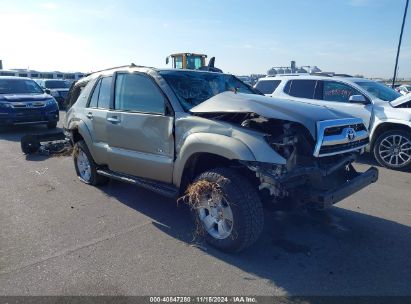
<point>211,139</point>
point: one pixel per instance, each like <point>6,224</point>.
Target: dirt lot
<point>61,237</point>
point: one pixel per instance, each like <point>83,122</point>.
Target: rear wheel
<point>228,210</point>
<point>85,166</point>
<point>392,149</point>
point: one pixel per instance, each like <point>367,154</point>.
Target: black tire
<point>52,125</point>
<point>377,146</point>
<point>246,206</point>
<point>95,179</point>
<point>30,144</point>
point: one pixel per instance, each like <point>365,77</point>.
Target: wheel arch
<point>387,126</point>
<point>206,151</point>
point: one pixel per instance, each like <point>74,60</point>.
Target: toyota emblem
<point>350,134</point>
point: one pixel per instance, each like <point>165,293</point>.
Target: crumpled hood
<point>304,113</point>
<point>23,97</point>
<point>400,100</point>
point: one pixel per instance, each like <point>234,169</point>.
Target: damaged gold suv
<point>215,141</point>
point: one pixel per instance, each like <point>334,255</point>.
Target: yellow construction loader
<point>192,61</point>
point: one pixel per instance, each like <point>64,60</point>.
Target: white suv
<point>385,112</point>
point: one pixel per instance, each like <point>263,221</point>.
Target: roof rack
<point>132,65</point>
<point>343,75</point>
<point>330,74</point>
<point>322,74</point>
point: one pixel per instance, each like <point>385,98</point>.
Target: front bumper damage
<point>319,186</point>
<point>325,199</point>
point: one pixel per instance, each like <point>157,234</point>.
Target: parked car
<point>172,130</point>
<point>404,89</point>
<point>387,117</point>
<point>57,88</point>
<point>22,101</point>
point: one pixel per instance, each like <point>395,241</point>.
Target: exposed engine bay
<point>304,175</point>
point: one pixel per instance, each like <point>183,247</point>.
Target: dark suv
<point>22,101</point>
<point>57,88</point>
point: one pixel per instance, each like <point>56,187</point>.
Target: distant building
<point>293,69</point>
<point>42,74</point>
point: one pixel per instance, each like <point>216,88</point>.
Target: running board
<point>159,187</point>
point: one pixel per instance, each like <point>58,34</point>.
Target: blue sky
<point>346,36</point>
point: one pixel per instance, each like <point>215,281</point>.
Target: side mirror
<point>357,99</point>
<point>47,91</point>
<point>167,59</point>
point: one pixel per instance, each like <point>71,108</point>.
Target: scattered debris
<point>55,144</point>
<point>41,172</point>
<point>201,190</point>
<point>195,194</point>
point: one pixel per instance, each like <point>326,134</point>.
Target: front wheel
<point>227,209</point>
<point>392,149</point>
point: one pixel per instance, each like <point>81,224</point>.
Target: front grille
<point>343,147</point>
<point>26,111</point>
<point>63,94</point>
<point>29,118</point>
<point>338,130</point>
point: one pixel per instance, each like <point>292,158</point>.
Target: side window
<point>105,93</point>
<point>267,86</point>
<point>287,87</point>
<point>302,88</point>
<point>94,97</point>
<point>336,91</point>
<point>137,92</point>
<point>178,63</point>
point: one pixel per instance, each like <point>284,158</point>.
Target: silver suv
<point>211,139</point>
<point>386,114</point>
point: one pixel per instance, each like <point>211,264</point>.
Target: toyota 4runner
<point>233,149</point>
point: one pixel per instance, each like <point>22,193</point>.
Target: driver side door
<point>140,129</point>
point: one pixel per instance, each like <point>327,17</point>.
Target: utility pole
<point>399,44</point>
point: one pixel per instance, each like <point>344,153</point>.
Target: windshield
<point>193,88</point>
<point>56,84</point>
<point>19,86</point>
<point>379,90</point>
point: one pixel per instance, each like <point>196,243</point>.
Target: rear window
<point>267,86</point>
<point>56,84</point>
<point>301,88</point>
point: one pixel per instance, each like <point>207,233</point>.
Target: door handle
<point>89,115</point>
<point>113,120</point>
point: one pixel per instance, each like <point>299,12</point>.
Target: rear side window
<point>267,86</point>
<point>105,93</point>
<point>101,94</point>
<point>301,88</point>
<point>94,97</point>
<point>138,93</point>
